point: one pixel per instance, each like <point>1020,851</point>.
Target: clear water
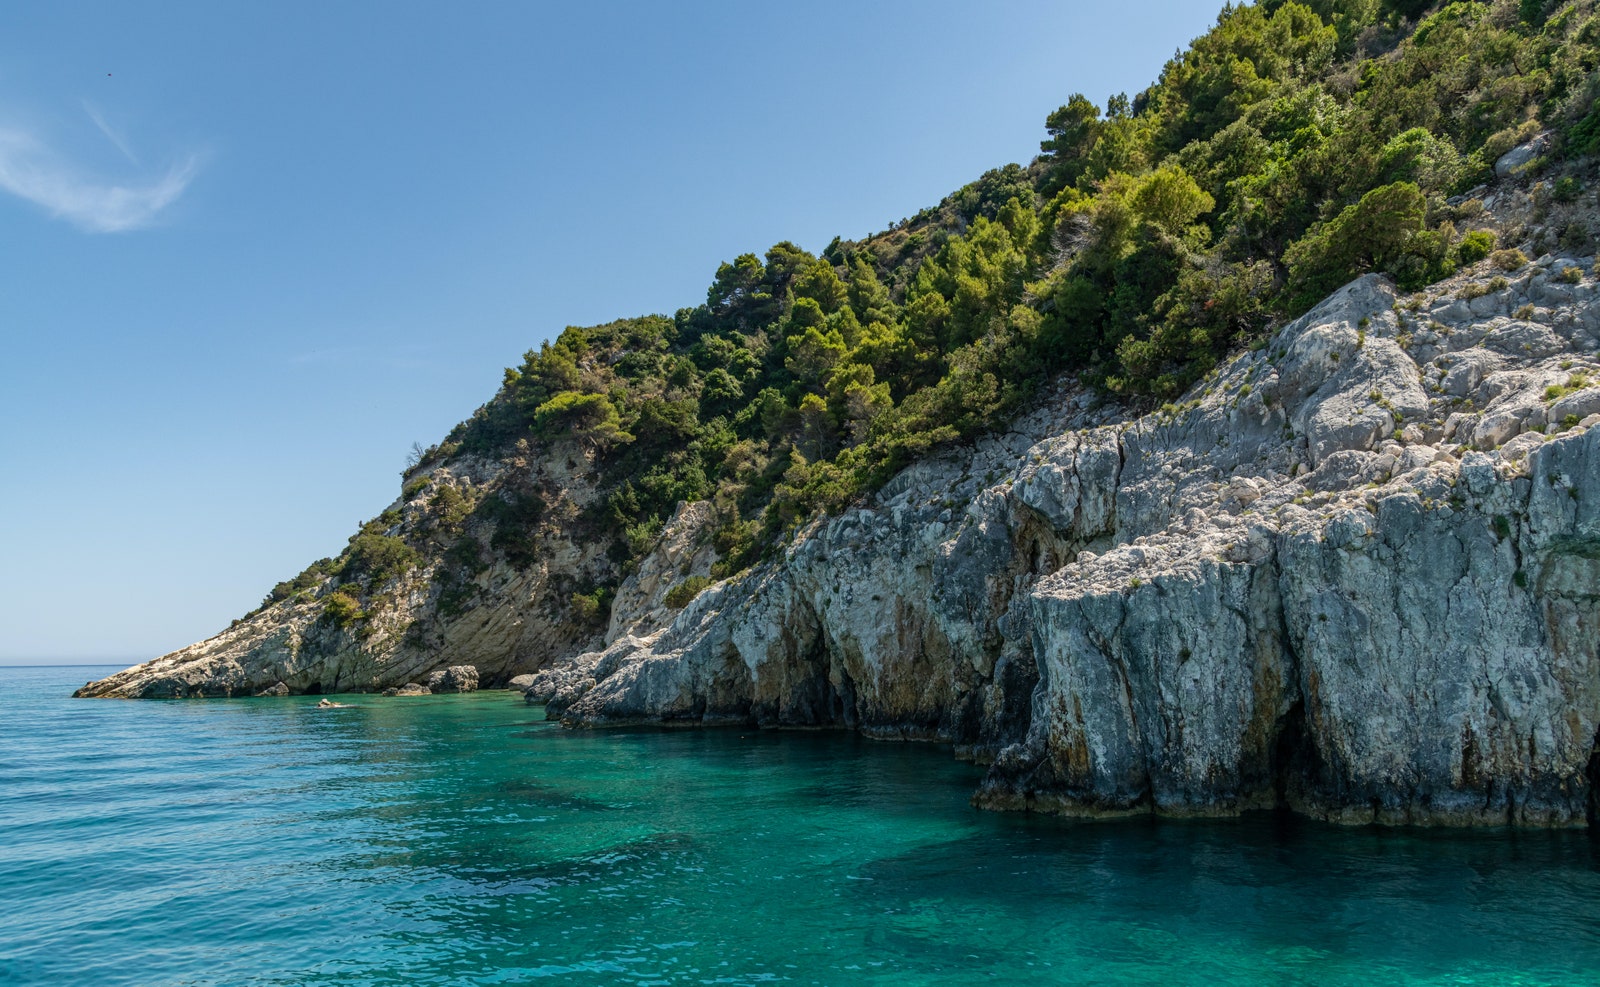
<point>463,840</point>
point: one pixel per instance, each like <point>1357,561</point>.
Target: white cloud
<point>32,171</point>
<point>111,135</point>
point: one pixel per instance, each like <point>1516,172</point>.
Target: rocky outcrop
<point>409,689</point>
<point>505,611</point>
<point>456,678</point>
<point>1354,573</point>
<point>682,552</point>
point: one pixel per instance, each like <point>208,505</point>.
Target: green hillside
<point>1289,149</point>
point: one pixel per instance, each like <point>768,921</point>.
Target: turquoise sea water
<point>463,840</point>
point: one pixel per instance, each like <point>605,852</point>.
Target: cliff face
<point>1355,573</point>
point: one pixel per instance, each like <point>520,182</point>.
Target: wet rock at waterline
<point>456,678</point>
<point>409,689</point>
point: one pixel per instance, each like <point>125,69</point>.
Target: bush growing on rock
<point>1475,245</point>
<point>309,579</point>
<point>1376,233</point>
<point>379,558</point>
<point>680,595</point>
<point>450,506</point>
<point>341,609</point>
<point>593,607</point>
<point>1509,260</point>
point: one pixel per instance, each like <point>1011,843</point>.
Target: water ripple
<point>456,840</point>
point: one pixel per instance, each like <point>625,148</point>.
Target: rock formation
<point>456,678</point>
<point>409,689</point>
<point>1355,573</point>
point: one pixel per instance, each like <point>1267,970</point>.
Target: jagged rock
<point>275,689</point>
<point>1273,595</point>
<point>683,551</point>
<point>456,678</point>
<point>409,689</point>
<point>1355,573</point>
<point>1580,405</point>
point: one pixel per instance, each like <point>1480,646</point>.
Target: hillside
<point>980,417</point>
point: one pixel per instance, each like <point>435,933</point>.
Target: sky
<point>252,252</point>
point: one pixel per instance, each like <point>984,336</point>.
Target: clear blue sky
<point>253,251</point>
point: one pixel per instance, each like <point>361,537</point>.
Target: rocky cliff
<point>1354,572</point>
<point>504,557</point>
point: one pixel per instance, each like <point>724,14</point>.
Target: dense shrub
<point>378,558</point>
<point>1376,233</point>
<point>593,608</point>
<point>1475,246</point>
<point>680,595</point>
<point>450,505</point>
<point>1509,260</point>
<point>341,609</point>
<point>309,579</point>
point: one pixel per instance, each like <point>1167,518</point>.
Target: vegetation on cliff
<point>1291,148</point>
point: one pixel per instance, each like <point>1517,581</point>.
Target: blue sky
<point>253,251</point>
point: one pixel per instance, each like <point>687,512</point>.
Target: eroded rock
<point>456,678</point>
<point>409,689</point>
<point>1355,573</point>
<point>1279,593</point>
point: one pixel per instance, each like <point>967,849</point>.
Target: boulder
<point>409,689</point>
<point>1512,163</point>
<point>275,689</point>
<point>456,678</point>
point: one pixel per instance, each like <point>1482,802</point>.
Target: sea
<point>464,839</point>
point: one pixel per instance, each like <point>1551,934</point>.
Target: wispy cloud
<point>33,171</point>
<point>115,138</point>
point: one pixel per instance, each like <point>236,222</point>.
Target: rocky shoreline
<point>1354,573</point>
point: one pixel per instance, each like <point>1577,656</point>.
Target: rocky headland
<point>1355,572</point>
<point>1216,460</point>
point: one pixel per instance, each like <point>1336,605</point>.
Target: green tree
<point>589,418</point>
<point>1373,234</point>
<point>1073,130</point>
